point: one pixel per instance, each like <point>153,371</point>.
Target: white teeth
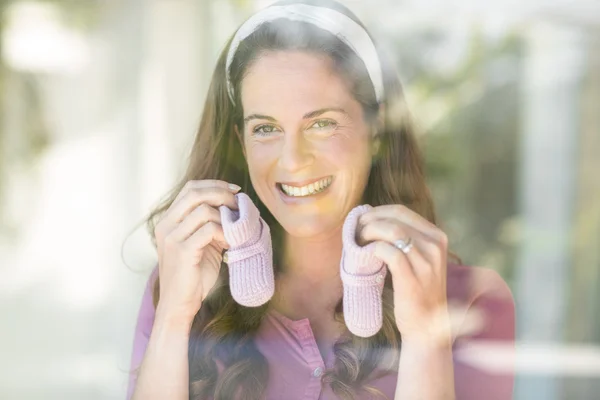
<point>309,189</point>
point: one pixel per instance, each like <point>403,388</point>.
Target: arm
<point>189,242</point>
<point>160,354</point>
<point>426,371</point>
<point>481,362</point>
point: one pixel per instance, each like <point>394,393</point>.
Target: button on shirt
<point>296,366</point>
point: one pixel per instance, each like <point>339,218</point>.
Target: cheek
<point>260,157</point>
<point>348,150</point>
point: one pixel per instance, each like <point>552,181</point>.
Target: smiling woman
<point>309,119</point>
<point>316,130</point>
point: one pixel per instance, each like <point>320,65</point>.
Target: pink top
<point>296,364</point>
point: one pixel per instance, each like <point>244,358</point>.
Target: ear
<point>241,139</point>
<point>381,117</point>
<point>375,144</point>
<point>378,127</point>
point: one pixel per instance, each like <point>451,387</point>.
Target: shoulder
<point>143,328</point>
<point>148,296</point>
<point>147,311</point>
<point>481,303</point>
<point>470,282</point>
<point>152,280</point>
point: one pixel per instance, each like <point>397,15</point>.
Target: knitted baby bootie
<point>363,276</point>
<point>250,255</point>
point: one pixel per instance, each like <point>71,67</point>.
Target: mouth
<point>311,189</point>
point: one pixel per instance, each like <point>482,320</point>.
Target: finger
<point>403,276</point>
<point>405,215</point>
<point>390,231</point>
<point>197,218</point>
<point>206,183</point>
<point>212,196</point>
<point>209,232</point>
<point>382,229</point>
<point>214,252</point>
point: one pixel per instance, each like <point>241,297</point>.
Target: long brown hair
<point>222,328</point>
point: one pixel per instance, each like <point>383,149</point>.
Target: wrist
<point>427,345</point>
<point>431,332</point>
<point>425,354</point>
<point>432,340</point>
<point>172,320</point>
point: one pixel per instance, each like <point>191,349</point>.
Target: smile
<point>307,190</point>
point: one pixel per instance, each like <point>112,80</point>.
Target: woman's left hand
<point>418,277</point>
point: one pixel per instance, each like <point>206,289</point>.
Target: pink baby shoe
<point>250,256</point>
<point>363,276</point>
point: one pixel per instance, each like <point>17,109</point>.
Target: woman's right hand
<point>190,243</point>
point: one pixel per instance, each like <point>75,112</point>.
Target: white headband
<point>340,25</point>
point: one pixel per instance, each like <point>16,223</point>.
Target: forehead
<point>293,81</point>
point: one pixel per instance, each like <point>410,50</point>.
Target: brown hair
<point>222,328</point>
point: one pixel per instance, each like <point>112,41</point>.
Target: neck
<point>309,280</point>
<point>314,259</point>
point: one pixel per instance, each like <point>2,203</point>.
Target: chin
<point>314,225</point>
<point>304,231</point>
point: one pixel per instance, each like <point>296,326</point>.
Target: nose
<point>295,153</point>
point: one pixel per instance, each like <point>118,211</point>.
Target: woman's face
<point>304,133</point>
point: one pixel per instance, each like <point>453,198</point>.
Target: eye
<point>263,130</point>
<point>324,123</point>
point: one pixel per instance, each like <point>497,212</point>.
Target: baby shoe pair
<point>251,276</point>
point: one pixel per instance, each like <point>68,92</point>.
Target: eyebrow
<point>308,115</point>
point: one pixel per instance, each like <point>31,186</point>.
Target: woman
<point>301,94</point>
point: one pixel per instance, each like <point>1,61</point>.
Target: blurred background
<point>100,103</point>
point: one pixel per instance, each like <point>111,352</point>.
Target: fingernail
<point>234,187</point>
